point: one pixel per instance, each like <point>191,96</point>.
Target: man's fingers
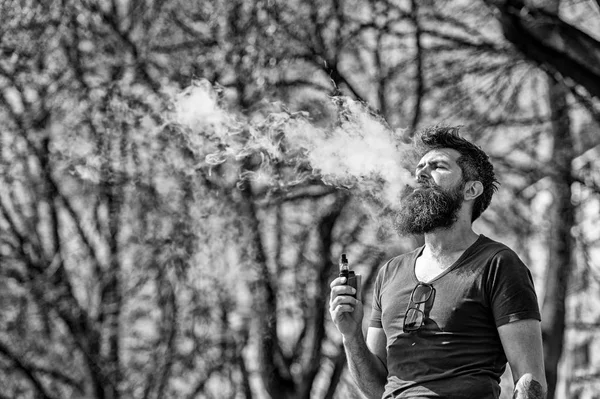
<point>338,281</point>
<point>342,290</point>
<point>338,310</point>
<point>343,300</point>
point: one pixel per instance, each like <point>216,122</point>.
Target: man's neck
<point>441,243</point>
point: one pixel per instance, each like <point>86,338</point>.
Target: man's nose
<point>422,174</point>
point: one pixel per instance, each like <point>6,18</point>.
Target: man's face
<point>435,203</point>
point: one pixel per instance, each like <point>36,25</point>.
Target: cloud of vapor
<point>197,108</point>
<point>359,151</point>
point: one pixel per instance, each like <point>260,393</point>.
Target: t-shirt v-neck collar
<point>456,264</point>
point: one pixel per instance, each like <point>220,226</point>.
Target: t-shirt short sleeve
<point>510,288</point>
<point>376,304</point>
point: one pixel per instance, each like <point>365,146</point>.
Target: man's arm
<point>522,343</point>
<point>366,361</point>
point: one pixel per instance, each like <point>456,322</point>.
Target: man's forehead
<point>442,154</point>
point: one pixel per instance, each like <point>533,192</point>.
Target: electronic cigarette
<point>352,279</point>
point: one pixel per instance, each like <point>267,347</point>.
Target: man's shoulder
<point>499,254</point>
<point>492,247</point>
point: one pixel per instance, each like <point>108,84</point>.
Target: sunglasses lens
<point>413,319</point>
<point>421,293</point>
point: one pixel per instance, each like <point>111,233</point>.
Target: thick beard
<point>426,209</point>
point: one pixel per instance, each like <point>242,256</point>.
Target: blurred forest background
<point>132,267</point>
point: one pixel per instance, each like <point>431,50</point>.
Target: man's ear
<point>473,189</point>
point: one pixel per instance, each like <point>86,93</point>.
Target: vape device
<point>352,279</point>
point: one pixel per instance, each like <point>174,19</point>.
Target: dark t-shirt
<point>457,353</point>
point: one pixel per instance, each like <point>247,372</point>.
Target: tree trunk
<point>318,334</point>
<point>562,217</point>
<point>276,376</point>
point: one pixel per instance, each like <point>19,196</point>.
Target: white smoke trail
<point>360,152</point>
<point>197,108</point>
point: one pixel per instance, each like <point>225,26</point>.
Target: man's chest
<point>427,269</point>
<point>458,303</point>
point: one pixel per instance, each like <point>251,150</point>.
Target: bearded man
<point>448,316</point>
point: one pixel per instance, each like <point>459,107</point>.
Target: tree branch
<point>26,370</point>
<point>420,84</point>
<point>547,40</point>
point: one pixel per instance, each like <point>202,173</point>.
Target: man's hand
<point>346,311</point>
<point>528,388</point>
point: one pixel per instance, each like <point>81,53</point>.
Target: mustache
<point>423,185</point>
<point>426,183</point>
<point>421,190</point>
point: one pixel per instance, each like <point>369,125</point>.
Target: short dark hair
<point>473,161</point>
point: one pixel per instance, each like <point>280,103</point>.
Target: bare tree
<point>134,267</point>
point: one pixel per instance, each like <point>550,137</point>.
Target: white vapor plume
<point>197,108</point>
<point>359,151</point>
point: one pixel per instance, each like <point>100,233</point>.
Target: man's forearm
<point>367,370</point>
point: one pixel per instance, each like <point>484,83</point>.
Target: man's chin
<point>408,225</point>
<point>413,231</point>
<point>406,228</point>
